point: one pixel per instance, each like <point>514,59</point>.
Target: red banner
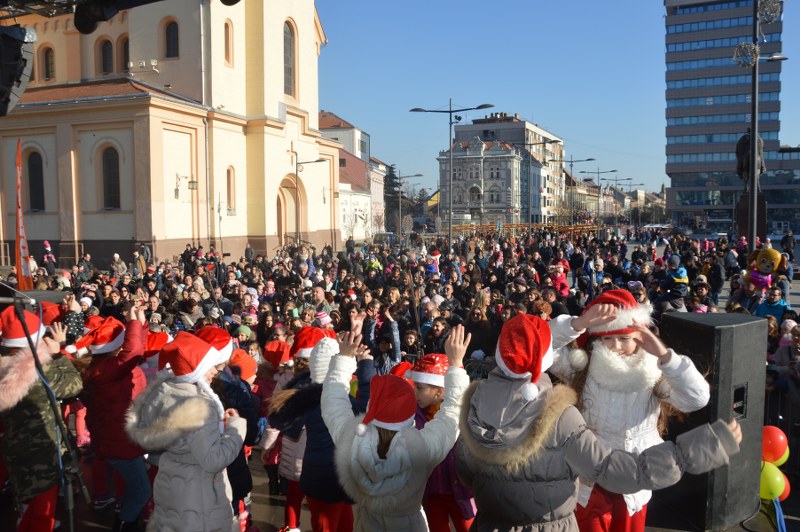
<point>23,255</point>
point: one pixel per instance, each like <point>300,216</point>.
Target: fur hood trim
<point>513,459</point>
<point>18,375</point>
<point>186,415</point>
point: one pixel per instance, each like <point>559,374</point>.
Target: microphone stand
<point>74,468</point>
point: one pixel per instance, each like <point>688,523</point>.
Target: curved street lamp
<point>571,162</point>
<point>450,139</point>
<point>298,167</point>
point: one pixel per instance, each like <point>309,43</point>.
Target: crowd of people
<point>343,370</point>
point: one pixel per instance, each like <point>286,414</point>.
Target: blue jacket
<point>773,309</point>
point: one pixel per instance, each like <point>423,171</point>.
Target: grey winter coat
<point>191,491</point>
<point>523,459</point>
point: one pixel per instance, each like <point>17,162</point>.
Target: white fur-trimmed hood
<point>159,416</point>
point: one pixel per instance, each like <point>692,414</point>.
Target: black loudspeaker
<point>16,63</point>
<point>731,350</point>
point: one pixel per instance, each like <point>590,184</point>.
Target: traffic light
<point>16,62</point>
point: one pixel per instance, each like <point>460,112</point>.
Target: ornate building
<point>173,123</point>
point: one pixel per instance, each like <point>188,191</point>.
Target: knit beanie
<point>246,364</point>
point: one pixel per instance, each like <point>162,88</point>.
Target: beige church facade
<point>173,123</point>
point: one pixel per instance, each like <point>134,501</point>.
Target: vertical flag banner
<point>23,258</point>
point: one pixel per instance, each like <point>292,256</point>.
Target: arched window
<point>49,64</point>
<point>475,195</point>
<point>230,197</point>
<point>288,59</point>
<point>111,179</point>
<point>35,182</point>
<point>125,56</point>
<point>229,43</point>
<point>106,57</point>
<point>172,48</point>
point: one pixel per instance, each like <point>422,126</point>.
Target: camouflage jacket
<point>29,437</point>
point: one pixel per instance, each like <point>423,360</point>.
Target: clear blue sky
<point>591,72</point>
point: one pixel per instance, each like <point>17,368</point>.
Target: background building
<point>497,181</point>
<point>708,99</point>
<point>175,122</point>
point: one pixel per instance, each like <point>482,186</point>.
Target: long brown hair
<point>385,437</point>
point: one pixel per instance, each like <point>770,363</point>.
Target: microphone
<point>11,300</point>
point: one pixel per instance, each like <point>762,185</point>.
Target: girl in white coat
<point>383,461</point>
<point>625,378</point>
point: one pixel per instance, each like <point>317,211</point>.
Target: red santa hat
<point>14,334</point>
<point>524,351</point>
<point>429,369</point>
<point>305,340</point>
<point>50,312</point>
<point>402,369</point>
<point>276,353</point>
<point>219,339</point>
<point>154,342</point>
<point>91,322</point>
<point>391,406</point>
<point>105,338</point>
<point>629,312</point>
<point>189,358</point>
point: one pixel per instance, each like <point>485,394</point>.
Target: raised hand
<point>456,345</point>
<point>58,332</point>
<point>651,343</point>
<point>349,343</point>
<point>596,315</point>
<point>736,430</point>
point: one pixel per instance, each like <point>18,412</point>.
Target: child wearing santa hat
<point>626,365</point>
<point>383,461</point>
<point>446,498</point>
<point>111,382</point>
<point>524,444</point>
<point>182,420</point>
<point>329,505</point>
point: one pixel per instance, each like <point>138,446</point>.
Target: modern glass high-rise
<point>708,99</point>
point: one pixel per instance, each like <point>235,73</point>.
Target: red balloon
<point>786,490</point>
<point>773,444</point>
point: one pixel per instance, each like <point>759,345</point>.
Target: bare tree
<point>379,221</point>
<point>350,223</point>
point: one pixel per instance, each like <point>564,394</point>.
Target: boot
<point>283,485</point>
<point>272,475</point>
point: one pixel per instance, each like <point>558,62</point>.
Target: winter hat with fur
<point>219,339</point>
<point>630,312</point>
<point>189,359</point>
<point>105,338</point>
<point>320,358</point>
<point>429,369</point>
<point>305,340</point>
<point>524,351</point>
<point>391,406</point>
<point>14,334</point>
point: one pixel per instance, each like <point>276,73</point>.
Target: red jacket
<point>110,384</point>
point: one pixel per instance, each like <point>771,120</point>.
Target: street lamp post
<point>747,54</point>
<point>450,139</point>
<point>298,167</point>
<point>400,203</point>
<point>571,162</point>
